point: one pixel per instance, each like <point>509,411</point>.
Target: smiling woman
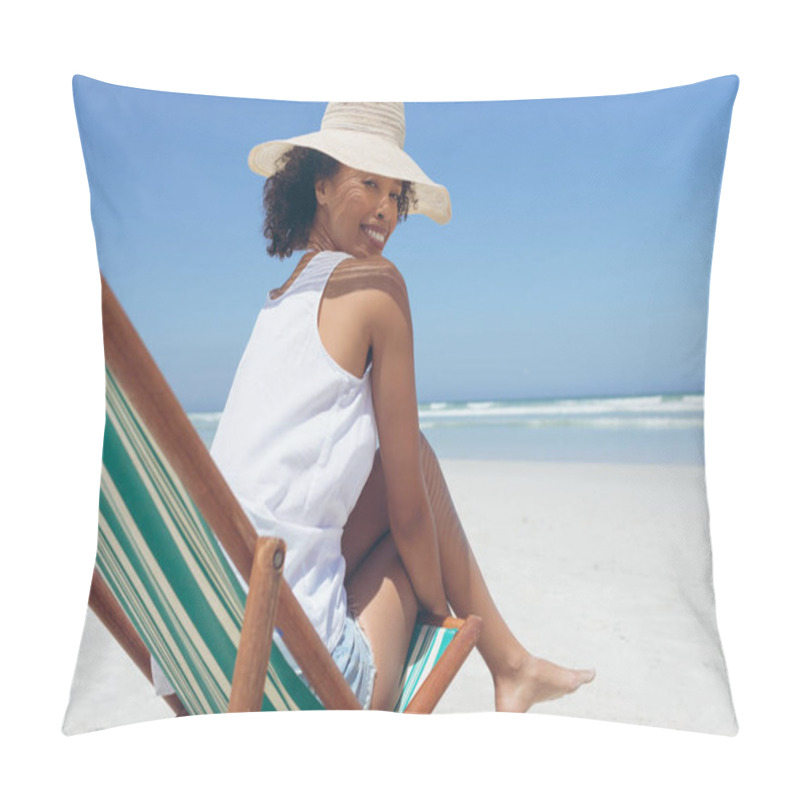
<point>372,534</point>
<point>600,214</point>
<point>357,210</point>
<point>291,197</point>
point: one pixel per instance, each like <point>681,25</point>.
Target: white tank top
<point>296,443</point>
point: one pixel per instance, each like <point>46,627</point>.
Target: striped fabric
<point>166,569</point>
<point>428,642</point>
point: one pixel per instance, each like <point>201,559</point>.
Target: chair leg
<point>252,660</point>
<point>110,613</point>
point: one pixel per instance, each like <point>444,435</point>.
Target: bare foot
<point>537,680</point>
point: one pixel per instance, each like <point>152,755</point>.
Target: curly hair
<point>290,199</point>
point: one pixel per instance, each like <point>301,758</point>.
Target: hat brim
<point>365,152</point>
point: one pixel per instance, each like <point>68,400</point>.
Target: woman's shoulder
<point>372,289</point>
<point>373,273</point>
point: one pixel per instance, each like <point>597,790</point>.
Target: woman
<point>371,534</point>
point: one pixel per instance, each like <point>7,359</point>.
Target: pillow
<point>560,333</point>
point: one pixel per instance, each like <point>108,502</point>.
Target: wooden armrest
<point>252,658</point>
<point>441,676</point>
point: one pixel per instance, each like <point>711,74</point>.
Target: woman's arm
<point>394,397</point>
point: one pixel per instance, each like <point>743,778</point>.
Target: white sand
<point>593,565</point>
<point>605,566</point>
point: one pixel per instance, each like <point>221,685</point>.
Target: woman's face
<point>357,211</point>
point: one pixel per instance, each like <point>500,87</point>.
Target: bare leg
<point>520,679</point>
<point>381,595</point>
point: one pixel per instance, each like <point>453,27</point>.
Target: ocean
<point>650,429</point>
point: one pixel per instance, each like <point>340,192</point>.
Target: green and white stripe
<point>428,642</point>
<point>165,567</point>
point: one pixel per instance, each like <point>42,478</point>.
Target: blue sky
<point>576,263</point>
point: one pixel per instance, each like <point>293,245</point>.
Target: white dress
<point>296,443</point>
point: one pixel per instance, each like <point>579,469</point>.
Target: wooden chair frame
<point>270,601</point>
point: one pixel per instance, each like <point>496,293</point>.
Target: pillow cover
<point>560,330</point>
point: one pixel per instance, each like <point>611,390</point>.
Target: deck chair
<point>163,585</point>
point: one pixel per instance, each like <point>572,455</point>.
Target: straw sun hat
<point>368,137</point>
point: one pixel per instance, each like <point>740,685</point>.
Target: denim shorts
<point>353,656</point>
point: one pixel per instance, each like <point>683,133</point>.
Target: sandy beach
<point>593,565</point>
